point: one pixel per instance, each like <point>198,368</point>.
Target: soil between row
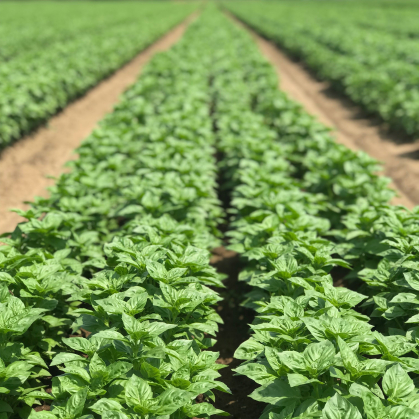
<point>233,332</point>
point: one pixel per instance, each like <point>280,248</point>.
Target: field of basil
<point>109,303</point>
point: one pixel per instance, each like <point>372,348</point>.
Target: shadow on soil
<point>233,332</point>
<point>413,155</point>
<point>334,92</point>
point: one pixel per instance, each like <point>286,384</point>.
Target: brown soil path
<point>233,332</point>
<point>24,165</point>
<point>352,128</point>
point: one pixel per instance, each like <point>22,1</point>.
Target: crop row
<point>27,30</point>
<point>37,82</point>
<point>299,202</point>
<point>121,327</point>
<point>386,19</point>
<point>354,55</point>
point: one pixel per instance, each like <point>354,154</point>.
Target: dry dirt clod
<point>43,407</point>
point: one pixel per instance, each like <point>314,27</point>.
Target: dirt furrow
<point>352,127</point>
<point>25,165</point>
<point>233,332</point>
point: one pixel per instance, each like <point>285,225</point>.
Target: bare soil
<point>25,165</point>
<point>351,125</point>
<point>233,332</point>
